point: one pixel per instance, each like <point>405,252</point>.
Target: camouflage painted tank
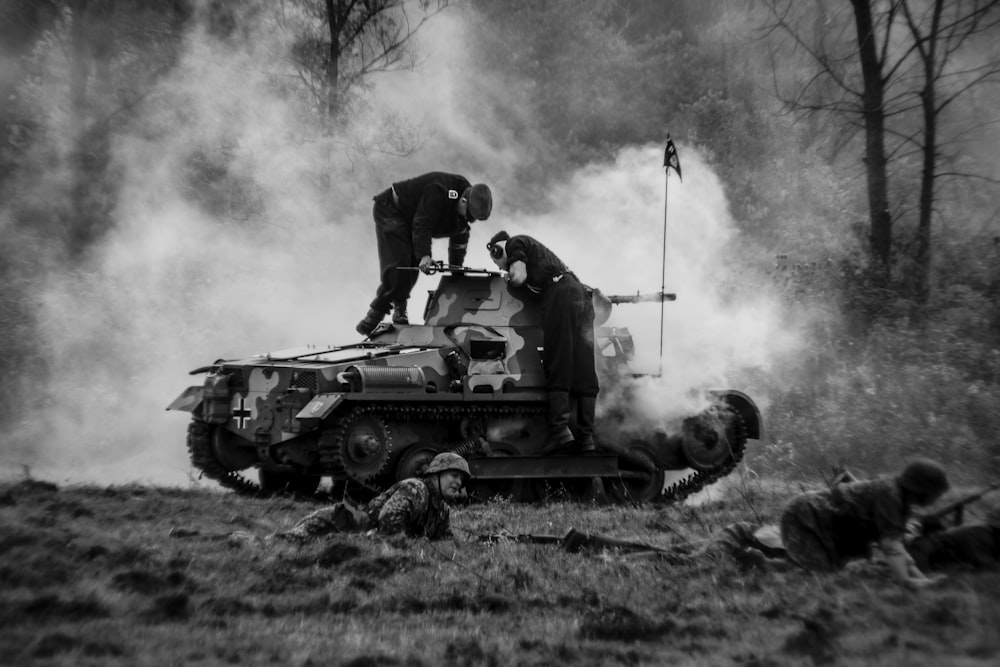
<point>469,380</point>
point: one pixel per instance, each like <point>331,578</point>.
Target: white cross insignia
<point>241,414</point>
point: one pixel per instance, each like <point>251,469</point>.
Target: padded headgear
<point>496,252</point>
<point>480,201</point>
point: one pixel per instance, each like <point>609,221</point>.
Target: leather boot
<point>560,437</point>
<point>366,326</point>
<point>399,313</point>
<point>586,406</point>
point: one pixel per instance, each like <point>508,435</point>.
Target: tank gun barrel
<point>655,297</point>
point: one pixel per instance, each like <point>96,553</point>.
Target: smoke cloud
<point>174,287</point>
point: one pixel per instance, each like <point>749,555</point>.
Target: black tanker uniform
<point>407,217</point>
<point>568,333</point>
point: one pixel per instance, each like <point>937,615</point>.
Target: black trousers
<point>568,331</point>
<point>394,234</point>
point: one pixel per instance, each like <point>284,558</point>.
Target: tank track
<point>203,458</point>
<point>199,443</point>
<point>683,488</point>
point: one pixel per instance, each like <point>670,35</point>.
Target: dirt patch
<point>381,661</point>
<point>379,567</point>
<point>50,608</point>
<point>465,652</point>
<point>620,623</point>
<point>337,553</point>
<point>52,644</point>
<point>33,487</point>
<point>228,606</point>
<point>818,637</point>
<point>170,607</point>
<point>139,581</point>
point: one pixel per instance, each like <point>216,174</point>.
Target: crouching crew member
<point>408,216</point>
<point>567,330</point>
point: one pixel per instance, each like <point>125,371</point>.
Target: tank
<point>469,380</point>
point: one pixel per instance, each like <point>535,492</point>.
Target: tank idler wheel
<point>640,482</point>
<point>279,481</point>
<point>204,447</point>
<point>706,440</point>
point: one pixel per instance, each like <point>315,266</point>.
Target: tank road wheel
<point>279,481</point>
<point>414,461</point>
<point>712,438</point>
<point>214,453</point>
<point>363,443</point>
<point>640,480</point>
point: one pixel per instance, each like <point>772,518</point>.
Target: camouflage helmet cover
<point>448,461</point>
<point>924,477</point>
<point>480,201</point>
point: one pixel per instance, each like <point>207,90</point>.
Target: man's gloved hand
<point>426,264</point>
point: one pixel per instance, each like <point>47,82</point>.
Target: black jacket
<point>430,202</point>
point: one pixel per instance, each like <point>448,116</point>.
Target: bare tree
<point>938,31</point>
<point>908,61</point>
<point>340,42</point>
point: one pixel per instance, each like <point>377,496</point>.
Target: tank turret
<point>469,380</point>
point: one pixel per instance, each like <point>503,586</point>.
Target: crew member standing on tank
<point>568,334</point>
<point>408,216</point>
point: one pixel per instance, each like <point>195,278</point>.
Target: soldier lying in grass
<point>823,530</point>
<point>972,546</point>
<point>417,507</point>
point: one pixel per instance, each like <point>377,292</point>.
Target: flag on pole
<point>670,157</point>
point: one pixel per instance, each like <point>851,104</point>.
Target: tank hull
<point>470,380</point>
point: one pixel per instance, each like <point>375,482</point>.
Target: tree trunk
<point>880,240</point>
<point>928,99</point>
<point>335,20</point>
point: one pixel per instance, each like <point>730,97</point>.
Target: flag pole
<point>670,160</point>
<point>663,268</point>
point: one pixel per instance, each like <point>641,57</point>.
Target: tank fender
<point>745,408</point>
<point>318,409</point>
<point>189,400</point>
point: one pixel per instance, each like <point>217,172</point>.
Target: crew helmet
<point>480,201</point>
<point>924,478</point>
<point>448,461</point>
<point>496,251</point>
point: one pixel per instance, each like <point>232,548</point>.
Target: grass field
<point>152,576</point>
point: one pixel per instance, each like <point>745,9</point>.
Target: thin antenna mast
<point>670,161</point>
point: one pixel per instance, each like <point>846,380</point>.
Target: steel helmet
<point>923,477</point>
<point>448,461</point>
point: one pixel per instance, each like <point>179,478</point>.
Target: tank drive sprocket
<point>360,444</point>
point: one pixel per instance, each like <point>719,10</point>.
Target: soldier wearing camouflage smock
<point>408,216</point>
<point>417,507</point>
<point>822,530</point>
<point>567,331</point>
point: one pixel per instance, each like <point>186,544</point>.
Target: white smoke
<point>173,288</point>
